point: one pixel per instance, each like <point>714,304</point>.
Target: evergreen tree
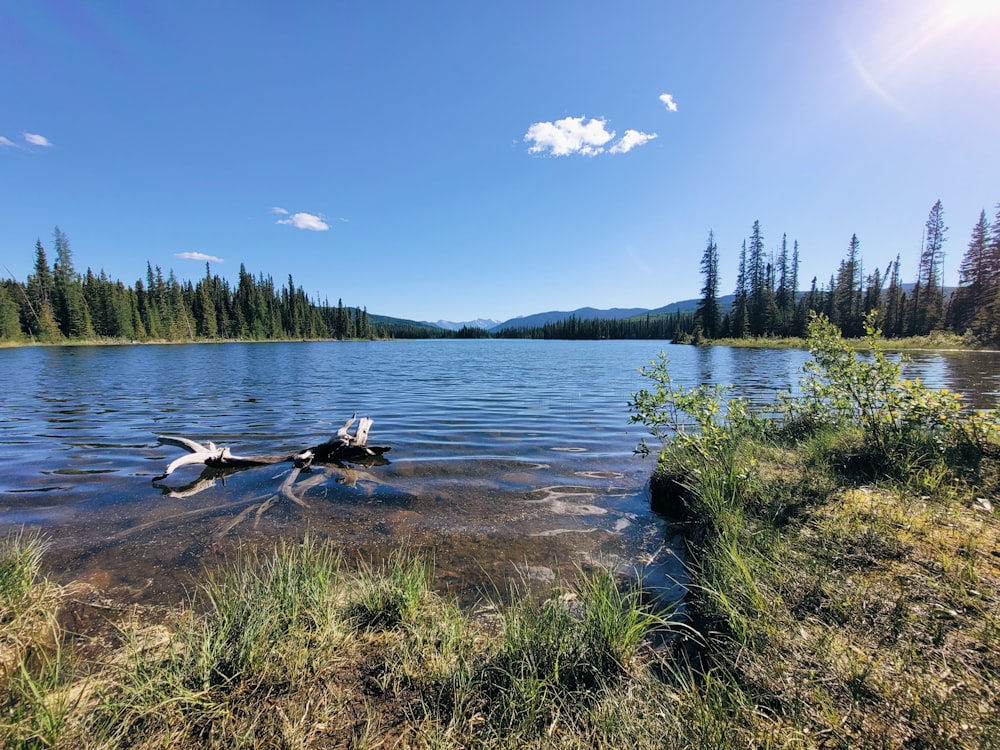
<point>10,320</point>
<point>738,319</point>
<point>68,300</point>
<point>892,320</point>
<point>873,294</point>
<point>341,329</point>
<point>847,292</point>
<point>205,319</point>
<point>974,274</point>
<point>760,291</point>
<point>987,322</point>
<point>41,320</point>
<point>928,297</point>
<point>785,296</point>
<point>708,315</point>
<point>180,325</point>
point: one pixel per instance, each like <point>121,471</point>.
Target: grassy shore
<point>937,341</point>
<point>829,612</point>
<point>845,594</point>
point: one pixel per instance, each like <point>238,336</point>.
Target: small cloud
<point>631,140</point>
<point>570,135</point>
<point>199,256</point>
<point>668,102</point>
<point>279,210</point>
<point>37,140</point>
<point>7,142</point>
<point>306,221</point>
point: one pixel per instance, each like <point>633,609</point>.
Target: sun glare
<point>899,47</point>
<point>956,13</point>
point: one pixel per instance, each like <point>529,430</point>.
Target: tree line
<point>56,303</point>
<point>767,302</point>
<point>656,327</point>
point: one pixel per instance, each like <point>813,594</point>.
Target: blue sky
<point>455,160</point>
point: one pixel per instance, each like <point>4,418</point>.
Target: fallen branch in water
<point>340,448</point>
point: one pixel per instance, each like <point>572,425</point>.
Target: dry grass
<point>869,618</point>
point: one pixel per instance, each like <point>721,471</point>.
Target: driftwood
<point>342,449</point>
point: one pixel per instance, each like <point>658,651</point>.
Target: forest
<point>767,300</point>
<point>58,304</point>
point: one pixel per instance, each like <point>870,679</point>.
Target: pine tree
<point>708,314</point>
<point>738,319</point>
<point>41,322</point>
<point>847,291</point>
<point>892,320</point>
<point>10,321</point>
<point>873,293</point>
<point>68,300</point>
<point>785,297</point>
<point>759,322</point>
<point>928,297</point>
<point>973,279</point>
<point>988,317</point>
<point>206,323</point>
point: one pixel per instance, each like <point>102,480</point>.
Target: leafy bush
<point>898,419</point>
<point>699,419</point>
<point>900,423</point>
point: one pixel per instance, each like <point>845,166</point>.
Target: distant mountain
<point>450,325</point>
<point>385,320</point>
<point>584,313</point>
<point>615,313</point>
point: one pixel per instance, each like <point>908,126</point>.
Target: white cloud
<point>7,142</point>
<point>668,102</point>
<point>577,135</point>
<point>199,256</point>
<point>37,140</point>
<point>571,135</point>
<point>279,210</point>
<point>306,221</point>
<point>631,140</point>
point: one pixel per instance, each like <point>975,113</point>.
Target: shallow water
<point>507,458</point>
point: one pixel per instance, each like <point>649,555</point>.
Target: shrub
<point>899,420</point>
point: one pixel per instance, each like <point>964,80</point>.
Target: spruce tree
<point>10,321</point>
<point>785,296</point>
<point>756,272</point>
<point>988,318</point>
<point>738,319</point>
<point>847,291</point>
<point>973,279</point>
<point>892,319</point>
<point>41,322</point>
<point>928,297</point>
<point>708,315</point>
<point>68,300</point>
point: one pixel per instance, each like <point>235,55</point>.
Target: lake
<point>508,458</point>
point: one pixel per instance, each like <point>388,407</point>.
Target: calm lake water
<point>508,457</point>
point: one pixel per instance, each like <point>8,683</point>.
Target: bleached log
<point>342,447</point>
<point>361,436</point>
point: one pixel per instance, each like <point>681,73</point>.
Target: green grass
<point>832,605</point>
<point>937,341</point>
<point>843,604</point>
